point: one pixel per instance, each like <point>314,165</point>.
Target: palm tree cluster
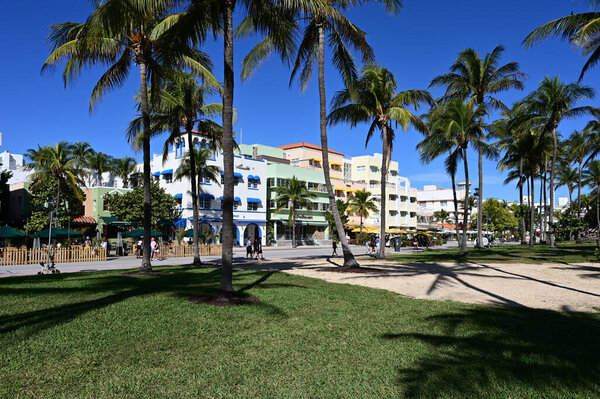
<point>163,40</point>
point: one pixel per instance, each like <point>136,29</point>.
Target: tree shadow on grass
<point>502,352</point>
<point>113,289</point>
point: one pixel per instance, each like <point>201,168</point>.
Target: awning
<point>179,195</point>
<point>180,223</point>
<point>167,172</point>
<point>84,220</point>
<point>339,189</point>
<point>236,199</point>
<point>206,196</point>
<point>335,163</point>
<point>256,177</point>
<point>255,200</point>
<point>250,177</point>
<point>350,190</point>
<point>237,174</point>
<point>156,174</point>
<point>114,221</point>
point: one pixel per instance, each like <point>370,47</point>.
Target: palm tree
<point>567,177</point>
<point>579,147</point>
<point>56,163</point>
<point>373,99</point>
<point>441,216</point>
<point>325,25</point>
<point>591,177</point>
<point>124,168</point>
<point>99,163</point>
<point>547,106</point>
<point>120,34</point>
<point>472,77</point>
<point>581,30</point>
<point>293,195</point>
<point>181,106</point>
<point>362,203</point>
<point>82,151</point>
<point>461,122</point>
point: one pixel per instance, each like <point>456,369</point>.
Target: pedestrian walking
<point>249,253</point>
<point>153,245</point>
<point>258,249</point>
<point>334,253</point>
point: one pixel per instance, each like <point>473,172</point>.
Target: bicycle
<point>49,267</point>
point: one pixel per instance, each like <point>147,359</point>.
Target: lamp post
<point>49,204</point>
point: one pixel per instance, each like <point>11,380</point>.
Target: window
<point>270,181</point>
<point>169,178</point>
<point>236,204</point>
<point>253,206</point>
<point>179,148</point>
<point>95,205</point>
<point>105,206</point>
<point>204,203</point>
<point>393,173</point>
<point>281,182</point>
<point>313,186</point>
<point>222,179</point>
<point>443,203</point>
<point>295,162</point>
<point>393,197</point>
<point>374,169</point>
<point>253,183</point>
<point>156,178</point>
<point>361,168</point>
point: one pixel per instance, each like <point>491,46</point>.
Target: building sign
<point>242,166</point>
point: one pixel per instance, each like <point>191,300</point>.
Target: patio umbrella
<point>190,233</point>
<point>11,232</point>
<point>56,233</point>
<point>36,243</point>
<point>140,233</point>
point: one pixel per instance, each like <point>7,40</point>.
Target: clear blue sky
<point>417,45</point>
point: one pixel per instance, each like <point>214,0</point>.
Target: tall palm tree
<point>567,177</point>
<point>547,106</point>
<point>579,147</point>
<point>362,203</point>
<point>124,168</point>
<point>293,195</point>
<point>472,77</point>
<point>200,17</point>
<point>119,34</point>
<point>99,163</point>
<point>57,163</point>
<point>82,151</point>
<point>373,99</point>
<point>461,122</point>
<point>325,25</point>
<point>581,30</point>
<point>180,107</point>
<point>591,177</point>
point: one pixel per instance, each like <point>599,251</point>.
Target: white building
<point>433,199</point>
<point>250,192</point>
<point>14,163</point>
<point>407,203</point>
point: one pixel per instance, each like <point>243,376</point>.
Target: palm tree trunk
<point>463,243</point>
<point>57,204</point>
<point>523,240</point>
<point>227,256</point>
<point>542,205</point>
<point>348,256</point>
<point>480,202</point>
<point>532,209</point>
<point>293,211</point>
<point>146,265</point>
<point>196,261</point>
<point>455,200</point>
<point>551,187</point>
<point>598,215</point>
<point>361,224</point>
<point>578,240</point>
<point>384,163</point>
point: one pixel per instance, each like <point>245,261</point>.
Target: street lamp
<point>49,204</point>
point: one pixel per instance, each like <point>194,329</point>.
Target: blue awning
<point>206,196</point>
<point>257,200</point>
<point>167,172</point>
<point>250,177</point>
<point>156,174</point>
<point>256,177</point>
<point>180,222</point>
<point>178,195</point>
<point>237,174</point>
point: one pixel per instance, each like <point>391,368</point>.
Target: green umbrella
<point>140,233</point>
<point>10,232</point>
<point>190,233</point>
<point>56,233</point>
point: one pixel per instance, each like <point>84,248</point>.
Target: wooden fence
<point>183,251</point>
<point>16,256</point>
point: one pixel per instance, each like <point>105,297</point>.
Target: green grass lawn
<point>567,252</point>
<point>109,335</point>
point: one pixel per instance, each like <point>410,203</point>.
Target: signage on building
<point>242,166</point>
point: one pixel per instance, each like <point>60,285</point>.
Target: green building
<point>311,225</point>
<point>96,208</point>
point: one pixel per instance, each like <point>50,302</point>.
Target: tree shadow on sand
<point>502,352</point>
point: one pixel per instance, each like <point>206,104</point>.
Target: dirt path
<point>572,288</point>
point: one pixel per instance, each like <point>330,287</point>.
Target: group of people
<point>254,250</point>
<point>373,246</point>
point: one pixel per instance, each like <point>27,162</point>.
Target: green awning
<point>140,233</point>
<point>114,221</point>
<point>10,232</point>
